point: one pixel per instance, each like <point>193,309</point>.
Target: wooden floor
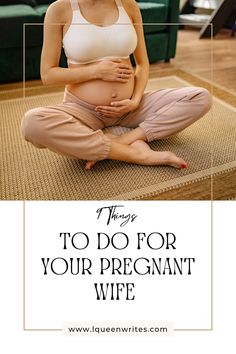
<point>194,56</point>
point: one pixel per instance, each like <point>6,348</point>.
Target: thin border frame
<point>211,211</point>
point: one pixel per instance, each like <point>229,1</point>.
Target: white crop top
<point>85,42</point>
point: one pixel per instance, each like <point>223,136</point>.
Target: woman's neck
<point>95,2</point>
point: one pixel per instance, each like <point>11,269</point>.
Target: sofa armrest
<point>173,8</point>
<point>173,17</point>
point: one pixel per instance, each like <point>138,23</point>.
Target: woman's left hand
<point>117,108</point>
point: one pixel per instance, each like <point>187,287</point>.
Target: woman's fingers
<point>116,109</point>
<point>121,79</point>
<point>122,103</point>
<point>113,113</point>
<point>108,115</point>
<point>124,66</point>
<point>124,69</point>
<point>107,109</point>
<point>123,72</point>
<point>124,76</point>
<point>116,106</point>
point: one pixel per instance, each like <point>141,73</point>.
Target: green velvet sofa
<point>21,25</point>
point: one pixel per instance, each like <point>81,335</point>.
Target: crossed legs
<point>132,148</point>
<point>76,131</point>
<point>160,115</point>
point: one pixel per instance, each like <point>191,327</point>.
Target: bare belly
<point>99,92</point>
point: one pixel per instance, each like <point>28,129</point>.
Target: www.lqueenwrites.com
<point>120,329</point>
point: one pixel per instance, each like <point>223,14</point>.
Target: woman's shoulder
<point>129,3</point>
<point>59,10</point>
<point>131,7</point>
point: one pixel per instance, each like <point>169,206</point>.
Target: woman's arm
<point>140,53</point>
<point>52,74</point>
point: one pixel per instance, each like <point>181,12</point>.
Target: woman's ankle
<point>132,136</point>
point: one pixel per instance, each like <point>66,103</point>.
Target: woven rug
<point>209,147</point>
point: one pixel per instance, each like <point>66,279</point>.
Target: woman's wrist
<point>135,101</point>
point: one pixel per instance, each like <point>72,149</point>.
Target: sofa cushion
<point>12,20</point>
<point>154,14</point>
<point>11,12</point>
<point>41,10</point>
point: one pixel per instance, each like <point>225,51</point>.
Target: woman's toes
<point>176,161</point>
<point>89,164</point>
<point>164,158</point>
<point>184,165</point>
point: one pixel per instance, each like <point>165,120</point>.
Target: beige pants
<point>74,129</point>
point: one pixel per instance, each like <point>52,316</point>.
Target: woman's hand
<point>117,108</point>
<point>114,70</point>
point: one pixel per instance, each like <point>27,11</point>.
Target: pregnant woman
<point>102,89</point>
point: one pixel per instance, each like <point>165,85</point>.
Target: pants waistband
<point>68,96</point>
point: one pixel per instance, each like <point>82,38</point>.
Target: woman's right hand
<point>114,70</point>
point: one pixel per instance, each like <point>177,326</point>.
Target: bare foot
<point>151,157</point>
